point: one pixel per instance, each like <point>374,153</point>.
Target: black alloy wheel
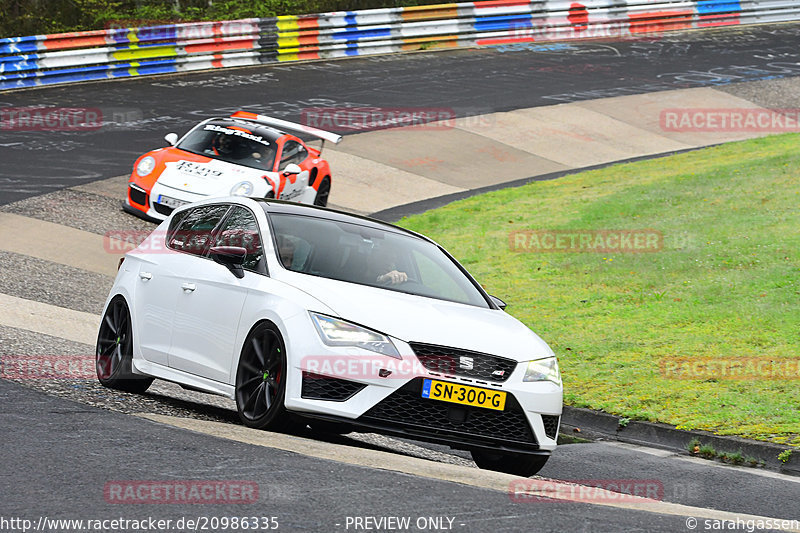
<point>261,380</point>
<point>114,352</point>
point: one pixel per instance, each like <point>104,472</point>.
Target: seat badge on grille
<point>466,363</point>
<point>499,373</point>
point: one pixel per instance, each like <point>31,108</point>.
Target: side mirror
<point>291,169</point>
<point>171,138</point>
<point>498,302</point>
<point>231,256</point>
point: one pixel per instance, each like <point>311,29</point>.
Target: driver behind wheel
<point>232,147</point>
<point>384,269</point>
<point>393,277</point>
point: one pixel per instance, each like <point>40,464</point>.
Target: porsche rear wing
<point>286,125</point>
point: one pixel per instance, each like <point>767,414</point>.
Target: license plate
<point>463,394</point>
<point>170,202</point>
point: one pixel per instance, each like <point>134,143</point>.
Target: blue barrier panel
<point>505,22</point>
<point>17,63</point>
<point>711,7</point>
<point>354,35</point>
<point>20,45</point>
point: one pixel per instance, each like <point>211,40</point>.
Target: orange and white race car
<point>243,155</point>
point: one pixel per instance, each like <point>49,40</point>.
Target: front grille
<point>137,195</point>
<point>318,387</point>
<point>550,425</point>
<point>163,209</point>
<point>406,409</point>
<point>457,362</point>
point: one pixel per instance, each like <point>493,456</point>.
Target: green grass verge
<point>726,284</point>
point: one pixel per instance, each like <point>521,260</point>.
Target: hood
<point>212,177</point>
<point>419,319</point>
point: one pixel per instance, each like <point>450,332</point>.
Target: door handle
<point>188,287</point>
<point>145,276</point>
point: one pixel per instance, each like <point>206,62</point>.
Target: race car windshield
<point>233,144</point>
<point>371,256</point>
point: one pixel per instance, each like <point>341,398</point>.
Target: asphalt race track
<point>62,442</point>
<point>136,113</point>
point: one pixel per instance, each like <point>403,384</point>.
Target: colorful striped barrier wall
<point>119,53</point>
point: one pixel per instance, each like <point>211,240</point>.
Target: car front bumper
<point>393,403</point>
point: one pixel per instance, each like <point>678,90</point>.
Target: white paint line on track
<point>474,477</point>
<point>48,319</point>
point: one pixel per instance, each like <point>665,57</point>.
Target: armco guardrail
<point>119,53</point>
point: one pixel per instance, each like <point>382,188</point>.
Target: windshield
<point>370,256</point>
<point>232,143</point>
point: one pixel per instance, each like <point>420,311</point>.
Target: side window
<point>193,233</point>
<point>436,280</point>
<point>293,152</point>
<point>174,224</point>
<point>241,229</point>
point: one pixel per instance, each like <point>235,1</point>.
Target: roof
<point>292,208</point>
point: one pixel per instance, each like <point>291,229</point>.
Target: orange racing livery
<point>245,154</point>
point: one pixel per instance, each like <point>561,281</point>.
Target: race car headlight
<point>543,370</point>
<point>145,166</point>
<point>335,332</point>
<point>244,188</point>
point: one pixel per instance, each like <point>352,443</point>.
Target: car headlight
<point>146,166</point>
<point>335,332</point>
<point>244,188</point>
<point>543,370</point>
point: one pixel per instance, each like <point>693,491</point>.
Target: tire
<point>323,191</point>
<point>270,195</point>
<point>114,351</point>
<point>510,463</point>
<point>261,380</point>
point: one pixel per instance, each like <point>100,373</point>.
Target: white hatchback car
<point>301,313</point>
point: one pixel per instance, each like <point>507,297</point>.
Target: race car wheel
<point>510,463</point>
<point>114,350</point>
<point>261,380</point>
<point>269,195</point>
<point>323,191</point>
